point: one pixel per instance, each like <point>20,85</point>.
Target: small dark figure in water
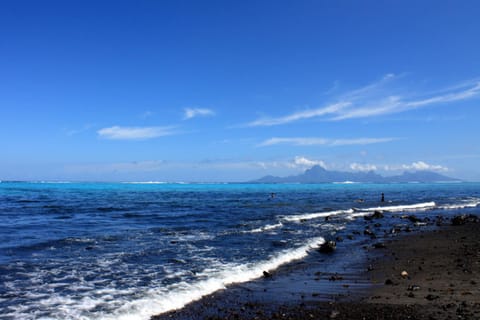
<point>383,198</point>
<point>272,195</point>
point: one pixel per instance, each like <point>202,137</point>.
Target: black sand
<point>441,281</point>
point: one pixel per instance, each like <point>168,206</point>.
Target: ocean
<point>132,250</point>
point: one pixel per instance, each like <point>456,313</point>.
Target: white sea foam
<point>472,203</point>
<point>268,227</point>
<point>315,215</point>
<point>405,207</point>
<point>358,212</point>
<point>131,304</point>
<point>146,182</point>
<point>49,182</point>
<point>161,300</point>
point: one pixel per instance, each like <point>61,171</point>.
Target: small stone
<point>379,245</point>
<point>462,219</point>
<point>375,215</point>
<point>335,277</point>
<point>404,274</point>
<point>413,218</point>
<point>327,247</point>
<point>267,274</point>
<point>368,232</point>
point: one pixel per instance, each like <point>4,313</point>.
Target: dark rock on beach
<point>462,219</point>
<point>327,247</point>
<point>376,215</point>
<point>379,245</point>
<point>367,232</point>
<point>413,218</point>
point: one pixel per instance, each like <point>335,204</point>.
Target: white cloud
<point>190,113</point>
<point>375,100</point>
<point>422,166</point>
<point>377,108</point>
<point>305,114</point>
<point>449,97</point>
<point>363,167</point>
<point>300,161</point>
<point>134,133</point>
<point>396,104</point>
<point>323,141</point>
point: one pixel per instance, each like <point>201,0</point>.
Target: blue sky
<point>234,90</point>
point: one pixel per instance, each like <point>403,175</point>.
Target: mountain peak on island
<point>318,174</point>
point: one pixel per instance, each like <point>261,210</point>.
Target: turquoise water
<point>130,250</point>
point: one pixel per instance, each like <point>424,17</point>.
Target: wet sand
<point>440,280</point>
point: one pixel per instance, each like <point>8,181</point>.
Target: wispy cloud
<point>376,99</point>
<point>190,113</point>
<point>363,167</point>
<point>396,104</point>
<point>134,133</point>
<point>421,166</point>
<point>298,162</point>
<point>416,166</point>
<point>465,93</point>
<point>323,141</point>
<point>305,114</point>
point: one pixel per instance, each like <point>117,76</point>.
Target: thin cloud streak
<point>323,141</point>
<point>306,114</point>
<point>394,104</point>
<point>374,100</point>
<point>134,133</point>
<point>456,96</point>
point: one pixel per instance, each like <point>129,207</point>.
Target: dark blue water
<point>128,251</point>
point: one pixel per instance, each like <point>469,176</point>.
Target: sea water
<point>132,250</point>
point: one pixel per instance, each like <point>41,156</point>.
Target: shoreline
<point>442,279</point>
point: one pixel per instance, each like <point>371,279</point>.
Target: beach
<point>430,273</point>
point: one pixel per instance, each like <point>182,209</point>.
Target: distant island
<point>317,174</point>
